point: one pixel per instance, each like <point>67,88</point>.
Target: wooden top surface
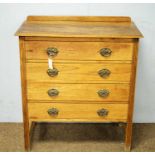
<point>79,26</point>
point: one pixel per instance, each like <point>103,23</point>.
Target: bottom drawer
<point>78,112</point>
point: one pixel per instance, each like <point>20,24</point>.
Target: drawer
<point>79,50</point>
<point>79,73</point>
<point>77,92</point>
<point>87,112</point>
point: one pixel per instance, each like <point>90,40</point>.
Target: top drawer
<point>79,50</point>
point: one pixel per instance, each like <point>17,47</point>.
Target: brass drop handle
<point>103,93</point>
<point>52,51</point>
<point>104,73</point>
<point>105,52</point>
<point>52,72</point>
<point>102,112</point>
<point>53,112</point>
<point>53,92</point>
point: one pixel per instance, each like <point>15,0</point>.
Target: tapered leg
<point>128,137</point>
<point>27,136</point>
<point>28,132</point>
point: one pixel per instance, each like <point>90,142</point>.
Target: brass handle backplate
<point>52,72</point>
<point>53,112</point>
<point>103,93</point>
<point>52,51</point>
<point>102,112</point>
<point>106,52</point>
<point>53,92</point>
<point>104,73</point>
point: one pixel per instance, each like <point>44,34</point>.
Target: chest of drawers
<point>78,69</point>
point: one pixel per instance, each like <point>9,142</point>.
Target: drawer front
<point>94,112</point>
<point>79,73</point>
<point>77,92</point>
<point>79,50</point>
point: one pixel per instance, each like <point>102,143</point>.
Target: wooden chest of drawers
<point>78,69</point>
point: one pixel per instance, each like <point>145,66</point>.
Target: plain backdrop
<point>11,17</point>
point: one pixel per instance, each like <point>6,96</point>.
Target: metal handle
<point>106,52</point>
<point>52,72</point>
<point>104,73</point>
<point>52,51</point>
<point>102,112</point>
<point>53,112</point>
<point>103,93</point>
<point>53,92</point>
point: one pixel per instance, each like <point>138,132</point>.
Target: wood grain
<point>78,50</point>
<point>117,112</point>
<point>128,136</point>
<point>79,72</point>
<point>78,92</point>
<point>80,18</point>
<point>24,92</point>
<point>92,28</point>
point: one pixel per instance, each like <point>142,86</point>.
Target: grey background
<point>11,17</point>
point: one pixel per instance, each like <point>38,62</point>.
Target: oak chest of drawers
<point>78,69</point>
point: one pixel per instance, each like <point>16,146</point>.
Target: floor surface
<point>59,137</point>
